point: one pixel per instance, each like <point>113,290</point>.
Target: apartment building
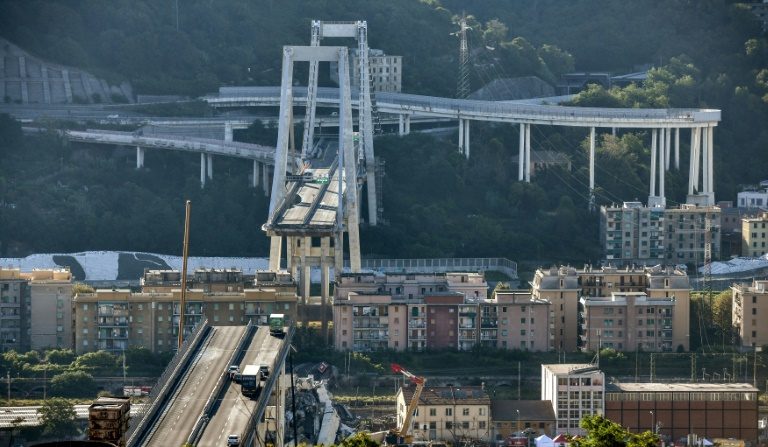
<point>673,410</point>
<point>634,233</point>
<point>114,320</point>
<point>15,305</point>
<point>452,414</point>
<point>634,321</point>
<point>575,391</point>
<point>513,319</point>
<point>421,313</point>
<point>754,241</point>
<point>385,71</point>
<point>50,308</point>
<point>749,312</point>
<point>560,286</point>
<point>564,286</point>
<point>35,309</point>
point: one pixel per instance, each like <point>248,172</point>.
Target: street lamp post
<point>653,422</point>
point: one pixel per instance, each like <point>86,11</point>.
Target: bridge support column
<point>265,178</point>
<point>528,153</point>
<point>693,167</point>
<point>401,124</point>
<point>461,135</point>
<point>591,161</point>
<point>663,161</point>
<point>139,157</point>
<point>667,147</point>
<point>306,270</point>
<point>325,260</point>
<point>711,153</point>
<point>466,138</point>
<point>209,166</point>
<point>704,160</point>
<point>652,192</point>
<point>255,178</point>
<point>677,149</point>
<point>228,132</point>
<point>202,169</point>
<point>521,155</point>
<point>275,248</point>
<point>407,124</point>
<point>338,254</point>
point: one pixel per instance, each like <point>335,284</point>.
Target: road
<point>177,422</point>
<point>235,410</point>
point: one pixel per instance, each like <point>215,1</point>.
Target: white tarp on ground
<point>544,441</point>
<point>737,265</point>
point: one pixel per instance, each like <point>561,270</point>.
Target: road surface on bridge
<point>235,409</point>
<point>183,410</point>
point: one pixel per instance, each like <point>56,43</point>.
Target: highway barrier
<point>167,382</point>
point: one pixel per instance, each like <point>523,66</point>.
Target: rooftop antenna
<point>462,87</point>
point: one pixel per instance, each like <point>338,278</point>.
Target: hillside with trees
<point>707,53</point>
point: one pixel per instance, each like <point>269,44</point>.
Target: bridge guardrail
<point>161,388</point>
<point>441,265</point>
<point>432,104</point>
<point>258,412</point>
<point>205,416</point>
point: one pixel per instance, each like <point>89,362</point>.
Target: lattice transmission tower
<point>462,86</point>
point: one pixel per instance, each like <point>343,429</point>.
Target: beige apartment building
<point>628,321</point>
<point>513,319</point>
<point>452,414</point>
<point>35,309</point>
<point>754,239</point>
<point>564,286</point>
<point>114,320</point>
<point>575,391</point>
<point>749,312</point>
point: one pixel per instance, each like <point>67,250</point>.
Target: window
<point>465,411</point>
<point>481,411</point>
<point>449,411</point>
<point>449,425</point>
<point>433,411</point>
<point>481,425</point>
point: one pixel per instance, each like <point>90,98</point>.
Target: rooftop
<point>448,395</point>
<point>679,387</point>
<point>571,368</point>
<point>530,410</point>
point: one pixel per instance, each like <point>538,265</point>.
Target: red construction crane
<point>402,432</point>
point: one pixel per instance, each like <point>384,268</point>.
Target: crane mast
<point>402,432</point>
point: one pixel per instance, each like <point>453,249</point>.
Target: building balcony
<point>417,324</point>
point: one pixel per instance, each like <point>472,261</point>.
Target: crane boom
<point>414,403</point>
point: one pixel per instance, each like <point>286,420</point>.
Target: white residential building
<point>575,390</point>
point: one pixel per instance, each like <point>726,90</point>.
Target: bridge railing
<point>435,104</point>
<point>441,265</point>
<point>164,384</point>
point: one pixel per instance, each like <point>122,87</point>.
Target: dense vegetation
<point>708,53</point>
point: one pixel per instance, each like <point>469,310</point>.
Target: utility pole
<point>183,302</point>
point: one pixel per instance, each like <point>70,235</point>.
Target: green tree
<point>73,384</point>
<point>58,416</point>
<point>99,362</point>
<point>359,440</point>
<point>602,432</point>
<point>721,315</point>
<point>60,356</point>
